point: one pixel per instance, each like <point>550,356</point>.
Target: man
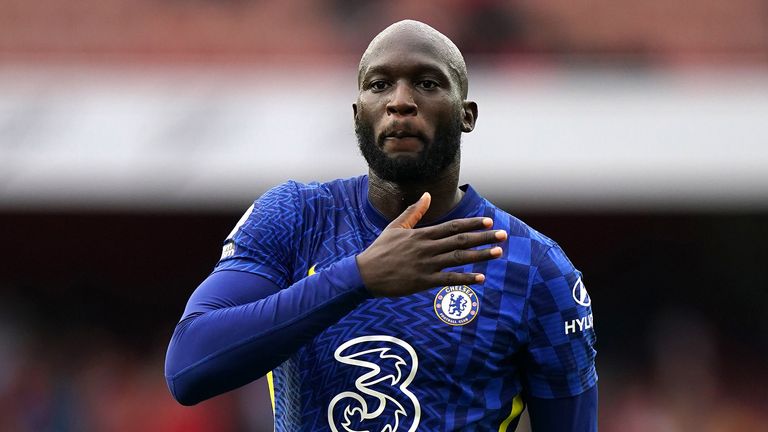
<point>396,301</point>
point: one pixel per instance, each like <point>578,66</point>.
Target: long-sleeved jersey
<point>287,296</point>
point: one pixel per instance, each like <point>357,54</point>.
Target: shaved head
<point>417,32</point>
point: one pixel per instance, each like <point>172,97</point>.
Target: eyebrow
<point>417,68</point>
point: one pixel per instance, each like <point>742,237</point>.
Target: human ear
<point>470,116</point>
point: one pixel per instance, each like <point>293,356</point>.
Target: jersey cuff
<point>346,274</point>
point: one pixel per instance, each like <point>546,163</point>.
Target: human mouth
<point>402,134</point>
<point>401,141</point>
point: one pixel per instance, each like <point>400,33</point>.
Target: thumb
<point>413,214</point>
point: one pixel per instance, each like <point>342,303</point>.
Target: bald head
<point>415,32</point>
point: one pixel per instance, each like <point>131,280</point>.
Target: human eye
<point>378,85</point>
<point>428,84</point>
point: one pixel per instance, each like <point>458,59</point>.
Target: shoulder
<point>293,193</point>
<point>334,190</point>
<point>287,206</point>
<point>550,273</point>
<point>526,245</point>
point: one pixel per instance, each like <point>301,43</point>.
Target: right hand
<point>404,260</point>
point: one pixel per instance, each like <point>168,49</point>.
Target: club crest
<point>456,305</point>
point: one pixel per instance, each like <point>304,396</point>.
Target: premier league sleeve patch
<point>228,250</point>
<point>456,305</point>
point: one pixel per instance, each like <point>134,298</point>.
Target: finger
<point>461,257</point>
<point>456,226</point>
<point>454,278</point>
<point>469,240</point>
<point>413,214</point>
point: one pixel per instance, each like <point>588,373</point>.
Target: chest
<point>449,337</point>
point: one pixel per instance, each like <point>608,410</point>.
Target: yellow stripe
<point>517,408</point>
<point>271,384</point>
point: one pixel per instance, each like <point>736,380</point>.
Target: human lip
<point>402,142</point>
<point>402,134</point>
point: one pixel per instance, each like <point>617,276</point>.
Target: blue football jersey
<point>448,358</point>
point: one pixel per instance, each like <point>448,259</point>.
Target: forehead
<point>405,52</point>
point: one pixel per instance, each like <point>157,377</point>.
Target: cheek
<point>370,112</point>
<point>447,114</point>
<point>370,100</point>
<point>442,106</point>
<point>364,108</point>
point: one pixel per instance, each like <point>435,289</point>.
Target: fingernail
<point>496,251</point>
<point>480,278</point>
<point>501,235</point>
<point>488,222</point>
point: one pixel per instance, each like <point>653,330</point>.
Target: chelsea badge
<point>456,305</point>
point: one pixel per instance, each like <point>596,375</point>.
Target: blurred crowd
<point>262,31</point>
<point>55,379</point>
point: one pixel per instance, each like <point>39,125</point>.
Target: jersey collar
<point>465,208</point>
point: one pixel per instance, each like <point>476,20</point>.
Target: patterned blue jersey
<point>449,358</point>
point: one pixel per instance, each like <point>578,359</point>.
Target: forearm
<point>226,347</point>
<point>571,414</point>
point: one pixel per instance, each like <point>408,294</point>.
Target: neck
<point>392,198</point>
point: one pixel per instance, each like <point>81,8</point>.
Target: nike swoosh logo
<point>311,270</point>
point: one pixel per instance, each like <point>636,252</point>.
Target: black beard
<point>428,164</point>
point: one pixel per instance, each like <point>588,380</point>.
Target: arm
<point>576,413</point>
<point>238,326</point>
<point>560,376</point>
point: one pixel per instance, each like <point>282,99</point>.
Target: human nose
<point>402,102</point>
